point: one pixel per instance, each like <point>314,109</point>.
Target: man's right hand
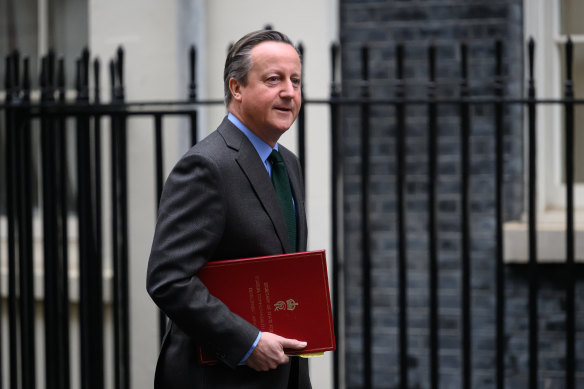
<point>269,352</point>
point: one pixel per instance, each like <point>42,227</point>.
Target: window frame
<point>546,32</point>
<point>551,191</point>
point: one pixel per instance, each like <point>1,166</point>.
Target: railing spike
<point>334,60</point>
<point>400,61</point>
<point>499,56</point>
<point>61,79</point>
<point>51,69</point>
<point>192,73</point>
<point>96,75</point>
<point>569,58</point>
<point>432,62</point>
<point>85,58</point>
<point>365,62</point>
<point>120,65</point>
<point>120,71</point>
<point>15,69</point>
<point>464,60</point>
<point>112,73</point>
<point>531,57</point>
<point>26,80</point>
<point>43,74</point>
<point>78,76</point>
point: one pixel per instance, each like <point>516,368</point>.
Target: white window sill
<point>551,239</point>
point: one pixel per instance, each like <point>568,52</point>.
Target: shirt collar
<point>264,150</point>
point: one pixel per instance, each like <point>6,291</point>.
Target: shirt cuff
<point>253,346</point>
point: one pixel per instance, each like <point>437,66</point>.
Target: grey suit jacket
<point>218,203</point>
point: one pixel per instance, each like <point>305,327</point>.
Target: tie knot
<point>275,157</point>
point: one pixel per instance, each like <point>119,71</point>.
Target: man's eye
<point>273,79</point>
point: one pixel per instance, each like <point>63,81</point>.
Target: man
<point>219,202</point>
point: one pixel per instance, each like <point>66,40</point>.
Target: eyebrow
<point>268,71</point>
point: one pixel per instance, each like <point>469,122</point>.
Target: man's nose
<point>289,89</point>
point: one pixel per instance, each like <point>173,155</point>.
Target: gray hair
<point>238,62</point>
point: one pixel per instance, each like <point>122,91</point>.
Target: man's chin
<point>282,126</point>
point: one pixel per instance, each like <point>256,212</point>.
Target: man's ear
<point>235,88</point>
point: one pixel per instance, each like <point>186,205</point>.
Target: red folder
<point>285,294</point>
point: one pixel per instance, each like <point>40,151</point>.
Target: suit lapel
<point>255,171</point>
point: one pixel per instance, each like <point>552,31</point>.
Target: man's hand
<point>269,352</point>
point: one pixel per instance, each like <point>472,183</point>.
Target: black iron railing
<point>464,103</point>
<point>51,114</point>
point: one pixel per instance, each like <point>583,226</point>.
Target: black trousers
<point>294,371</point>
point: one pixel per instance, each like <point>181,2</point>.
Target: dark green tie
<point>282,185</point>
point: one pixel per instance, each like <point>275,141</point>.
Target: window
<point>549,22</point>
<point>572,14</point>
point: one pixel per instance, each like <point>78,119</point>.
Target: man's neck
<point>271,142</point>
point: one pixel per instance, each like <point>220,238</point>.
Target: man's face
<point>269,103</point>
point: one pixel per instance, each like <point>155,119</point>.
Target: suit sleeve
<point>190,225</point>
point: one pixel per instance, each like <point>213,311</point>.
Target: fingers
<point>269,352</point>
<point>293,344</point>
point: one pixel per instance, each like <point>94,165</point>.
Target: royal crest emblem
<point>289,305</point>
<point>280,306</point>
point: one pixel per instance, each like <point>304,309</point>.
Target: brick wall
<point>417,24</point>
